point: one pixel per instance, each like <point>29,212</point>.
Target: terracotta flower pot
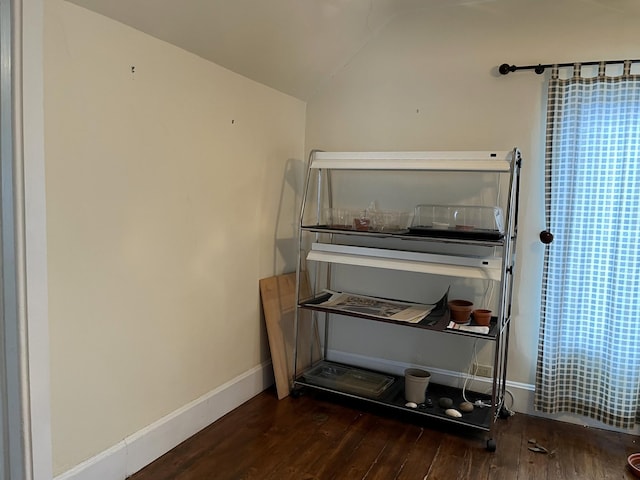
<point>482,317</point>
<point>460,310</point>
<point>633,461</point>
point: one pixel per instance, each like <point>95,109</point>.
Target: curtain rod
<point>505,68</point>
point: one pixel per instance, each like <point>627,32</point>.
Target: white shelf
<point>485,268</point>
<point>476,161</point>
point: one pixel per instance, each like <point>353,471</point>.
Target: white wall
<point>429,81</point>
<point>172,189</point>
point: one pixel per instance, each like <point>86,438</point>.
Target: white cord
<point>473,366</point>
<point>513,401</point>
<point>487,297</point>
<point>471,374</point>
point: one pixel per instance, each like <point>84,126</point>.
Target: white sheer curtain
<point>589,345</point>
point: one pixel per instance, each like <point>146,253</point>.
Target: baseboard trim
<point>143,447</point>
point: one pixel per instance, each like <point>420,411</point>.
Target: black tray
<point>457,233</point>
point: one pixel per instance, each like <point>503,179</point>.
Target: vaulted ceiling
<point>294,46</point>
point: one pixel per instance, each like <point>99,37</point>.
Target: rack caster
<point>491,445</point>
<point>296,392</point>
<point>504,413</point>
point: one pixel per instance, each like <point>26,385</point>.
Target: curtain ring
<point>577,70</point>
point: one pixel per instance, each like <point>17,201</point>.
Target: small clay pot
<point>482,317</point>
<point>460,310</point>
<point>633,461</point>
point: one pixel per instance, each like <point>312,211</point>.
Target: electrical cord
<point>488,297</point>
<point>471,375</point>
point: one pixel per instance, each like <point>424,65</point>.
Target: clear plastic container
<point>349,379</point>
<point>367,220</point>
<point>465,217</point>
<point>388,221</point>
<point>340,218</point>
<point>452,219</point>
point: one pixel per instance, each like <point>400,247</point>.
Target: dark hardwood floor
<point>313,438</point>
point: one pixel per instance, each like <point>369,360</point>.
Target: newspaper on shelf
<point>376,307</point>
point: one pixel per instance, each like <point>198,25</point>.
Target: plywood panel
<point>278,302</point>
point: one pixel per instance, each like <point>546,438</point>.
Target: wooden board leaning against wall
<point>278,295</point>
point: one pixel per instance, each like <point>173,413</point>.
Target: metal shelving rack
<point>322,247</point>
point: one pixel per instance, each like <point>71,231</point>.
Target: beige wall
<point>170,191</point>
<point>429,81</point>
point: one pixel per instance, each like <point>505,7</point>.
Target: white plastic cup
<point>416,382</point>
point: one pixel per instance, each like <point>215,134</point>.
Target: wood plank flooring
<point>314,438</point>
